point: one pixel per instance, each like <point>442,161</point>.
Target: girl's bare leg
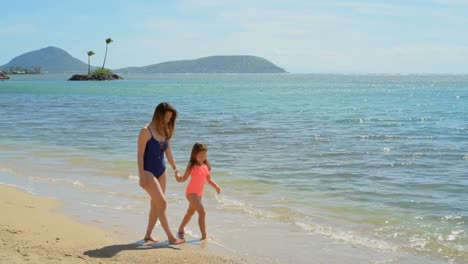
<point>188,215</point>
<point>197,204</point>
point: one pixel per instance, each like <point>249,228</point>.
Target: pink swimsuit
<point>197,181</point>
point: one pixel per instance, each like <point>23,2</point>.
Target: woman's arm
<point>187,172</point>
<point>213,183</point>
<point>170,159</point>
<point>142,139</point>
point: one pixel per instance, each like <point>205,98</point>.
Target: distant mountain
<point>50,59</point>
<point>56,60</point>
<point>212,64</point>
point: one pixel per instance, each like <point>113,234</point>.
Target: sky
<point>310,36</point>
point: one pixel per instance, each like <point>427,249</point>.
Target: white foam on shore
<point>242,207</point>
<point>103,206</point>
<point>7,171</point>
<point>23,188</point>
<point>133,178</point>
<point>78,183</point>
<point>61,181</point>
<point>346,236</point>
<point>327,231</point>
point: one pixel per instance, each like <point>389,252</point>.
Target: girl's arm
<point>213,183</point>
<point>187,172</point>
<point>142,139</point>
<point>171,160</point>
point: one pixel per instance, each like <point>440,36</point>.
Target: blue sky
<point>311,36</point>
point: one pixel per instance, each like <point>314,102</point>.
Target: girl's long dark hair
<point>160,111</point>
<point>197,148</point>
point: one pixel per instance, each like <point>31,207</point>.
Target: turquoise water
<point>372,161</point>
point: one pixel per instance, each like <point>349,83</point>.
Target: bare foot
<point>176,241</point>
<point>150,238</point>
<point>203,237</point>
<point>181,234</point>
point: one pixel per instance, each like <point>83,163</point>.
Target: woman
<point>153,143</point>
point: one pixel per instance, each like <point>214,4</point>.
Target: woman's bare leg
<point>152,219</point>
<point>158,210</point>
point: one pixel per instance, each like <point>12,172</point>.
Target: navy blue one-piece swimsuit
<point>153,159</point>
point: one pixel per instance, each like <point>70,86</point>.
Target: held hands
<point>177,175</point>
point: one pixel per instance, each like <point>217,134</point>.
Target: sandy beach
<point>32,230</point>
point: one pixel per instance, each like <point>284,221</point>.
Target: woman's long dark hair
<point>160,111</point>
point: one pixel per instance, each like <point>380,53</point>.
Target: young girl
<point>199,168</point>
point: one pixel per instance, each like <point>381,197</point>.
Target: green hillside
<point>50,60</point>
<point>212,64</point>
<point>56,60</point>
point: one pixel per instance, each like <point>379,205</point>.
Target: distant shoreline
<point>53,59</point>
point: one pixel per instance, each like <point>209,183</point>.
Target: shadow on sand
<point>112,250</point>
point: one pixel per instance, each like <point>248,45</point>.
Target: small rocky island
<point>98,75</point>
<point>86,77</point>
<point>101,74</point>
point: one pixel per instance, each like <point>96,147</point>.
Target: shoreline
<point>57,235</point>
<point>33,230</point>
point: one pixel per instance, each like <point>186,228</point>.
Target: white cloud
<point>452,2</point>
<point>206,3</point>
<point>429,51</point>
<point>18,29</point>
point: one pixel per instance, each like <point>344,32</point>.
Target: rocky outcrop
<point>93,77</point>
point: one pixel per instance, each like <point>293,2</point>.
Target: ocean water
<point>374,166</point>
